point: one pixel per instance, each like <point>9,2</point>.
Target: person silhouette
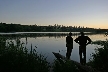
<point>69,45</point>
<point>83,41</point>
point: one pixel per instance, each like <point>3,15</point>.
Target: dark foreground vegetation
<point>14,57</point>
<point>67,66</point>
<point>55,28</point>
<point>100,57</point>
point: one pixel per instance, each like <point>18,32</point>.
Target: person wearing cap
<point>69,45</point>
<point>83,41</point>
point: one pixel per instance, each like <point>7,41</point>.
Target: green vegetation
<point>55,28</point>
<point>14,57</point>
<point>100,58</point>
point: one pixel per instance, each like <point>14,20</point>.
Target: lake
<point>48,42</point>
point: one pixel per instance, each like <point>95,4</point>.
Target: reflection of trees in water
<point>43,34</point>
<point>35,35</point>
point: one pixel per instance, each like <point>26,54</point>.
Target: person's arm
<point>76,40</point>
<point>89,40</point>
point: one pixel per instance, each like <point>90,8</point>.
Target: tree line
<point>50,28</point>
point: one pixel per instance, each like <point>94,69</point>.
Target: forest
<point>50,28</point>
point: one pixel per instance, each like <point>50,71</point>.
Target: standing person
<point>83,41</point>
<point>69,45</point>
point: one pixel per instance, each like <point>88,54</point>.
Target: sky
<point>87,13</point>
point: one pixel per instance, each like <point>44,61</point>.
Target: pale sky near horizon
<point>87,13</point>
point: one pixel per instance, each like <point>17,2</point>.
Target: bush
<point>100,58</point>
<point>14,57</point>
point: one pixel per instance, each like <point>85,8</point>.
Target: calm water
<point>47,43</point>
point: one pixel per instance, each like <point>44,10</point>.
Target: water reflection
<point>39,34</point>
<point>54,42</point>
